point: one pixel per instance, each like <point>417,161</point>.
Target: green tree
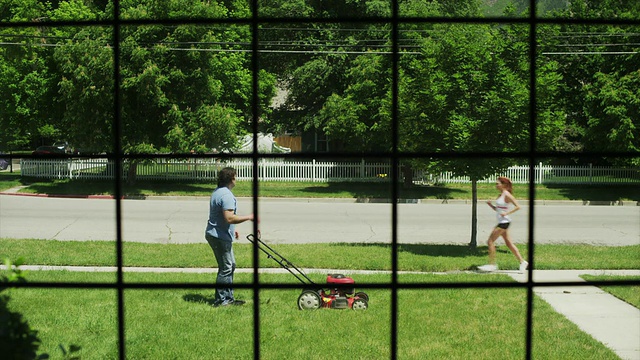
<point>361,115</point>
<point>598,65</point>
<point>178,95</point>
<point>17,339</point>
<point>26,81</point>
<point>612,107</point>
<point>466,93</point>
<point>183,87</point>
<point>85,93</point>
<point>326,70</point>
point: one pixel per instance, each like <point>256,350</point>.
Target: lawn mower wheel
<point>309,300</point>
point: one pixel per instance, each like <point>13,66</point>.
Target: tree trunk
<point>132,172</point>
<point>407,175</point>
<point>474,214</point>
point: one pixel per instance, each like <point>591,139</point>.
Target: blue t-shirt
<point>222,199</point>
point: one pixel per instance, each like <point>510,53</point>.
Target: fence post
<point>313,170</point>
<point>590,173</point>
<point>362,174</point>
<point>540,173</point>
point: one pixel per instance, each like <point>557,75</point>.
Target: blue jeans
<point>223,250</point>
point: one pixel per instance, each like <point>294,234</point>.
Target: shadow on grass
<point>94,187</point>
<point>9,176</point>
<point>459,251</point>
<point>600,193</point>
<point>200,299</point>
<point>9,180</point>
<point>382,190</point>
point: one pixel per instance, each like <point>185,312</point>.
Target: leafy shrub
<point>17,339</point>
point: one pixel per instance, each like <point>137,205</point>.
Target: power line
<point>331,52</point>
<point>581,45</point>
<point>246,50</point>
<point>367,45</point>
<point>592,53</point>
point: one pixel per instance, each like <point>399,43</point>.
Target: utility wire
<point>592,53</point>
<point>247,50</point>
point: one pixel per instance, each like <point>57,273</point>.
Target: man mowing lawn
<point>221,231</point>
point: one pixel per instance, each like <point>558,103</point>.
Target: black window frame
<point>395,157</point>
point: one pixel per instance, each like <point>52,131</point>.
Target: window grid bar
<point>532,178</point>
<point>117,147</point>
<point>395,156</point>
<point>394,180</point>
<point>254,118</point>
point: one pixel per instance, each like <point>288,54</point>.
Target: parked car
<point>64,146</point>
<point>4,162</point>
<point>48,150</point>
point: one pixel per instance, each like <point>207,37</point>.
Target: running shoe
<point>524,266</point>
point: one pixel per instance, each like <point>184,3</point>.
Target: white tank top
<point>502,206</point>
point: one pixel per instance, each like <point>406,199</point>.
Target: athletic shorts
<point>504,225</point>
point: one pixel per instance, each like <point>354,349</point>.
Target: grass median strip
<point>180,323</point>
<point>289,189</point>
<point>411,257</point>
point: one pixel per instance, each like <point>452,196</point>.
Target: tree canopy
<point>462,88</point>
<point>179,89</point>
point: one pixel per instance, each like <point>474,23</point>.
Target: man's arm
<point>232,218</point>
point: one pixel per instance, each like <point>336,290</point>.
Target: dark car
<point>48,150</point>
<point>4,162</point>
<point>65,147</point>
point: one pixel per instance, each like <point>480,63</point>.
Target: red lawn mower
<point>339,295</point>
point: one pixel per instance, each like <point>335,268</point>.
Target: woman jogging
<point>505,205</point>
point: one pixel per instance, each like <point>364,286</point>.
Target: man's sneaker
<point>488,268</point>
<point>231,302</point>
<point>524,266</point>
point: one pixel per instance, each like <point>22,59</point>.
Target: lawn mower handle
<point>281,260</point>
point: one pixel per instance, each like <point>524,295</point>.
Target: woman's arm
<point>512,199</point>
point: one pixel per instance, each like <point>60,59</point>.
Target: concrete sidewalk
<point>606,318</point>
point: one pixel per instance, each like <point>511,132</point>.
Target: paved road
<point>171,220</point>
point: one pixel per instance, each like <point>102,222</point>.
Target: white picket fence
<point>310,171</point>
<point>550,174</point>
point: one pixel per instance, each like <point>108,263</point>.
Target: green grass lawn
<point>467,323</point>
<point>411,257</point>
<point>9,180</point>
<point>627,293</point>
<point>457,323</point>
<point>351,190</point>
